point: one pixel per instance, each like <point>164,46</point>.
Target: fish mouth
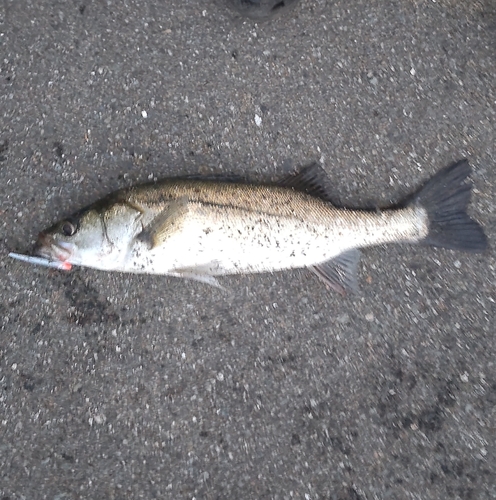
<point>47,247</point>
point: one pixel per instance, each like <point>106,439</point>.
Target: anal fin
<point>165,223</point>
<point>340,273</point>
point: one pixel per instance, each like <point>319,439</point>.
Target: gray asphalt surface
<point>116,386</point>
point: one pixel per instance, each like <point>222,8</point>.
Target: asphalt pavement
<point>117,386</point>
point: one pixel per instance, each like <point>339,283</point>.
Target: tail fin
<point>445,197</point>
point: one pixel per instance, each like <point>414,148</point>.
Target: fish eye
<point>68,228</point>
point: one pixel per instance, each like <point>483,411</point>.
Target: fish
<point>201,229</point>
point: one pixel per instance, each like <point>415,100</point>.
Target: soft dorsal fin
<point>312,180</point>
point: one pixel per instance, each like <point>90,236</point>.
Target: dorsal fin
<point>312,180</point>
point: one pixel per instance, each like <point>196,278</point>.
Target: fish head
<point>96,236</point>
<point>74,240</point>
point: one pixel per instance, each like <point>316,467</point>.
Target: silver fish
<point>201,229</point>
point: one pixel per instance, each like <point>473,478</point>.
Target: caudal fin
<point>445,197</point>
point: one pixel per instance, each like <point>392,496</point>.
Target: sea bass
<point>201,229</point>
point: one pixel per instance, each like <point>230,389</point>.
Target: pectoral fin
<point>165,223</point>
<point>340,273</point>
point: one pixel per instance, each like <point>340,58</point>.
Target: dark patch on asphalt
<point>59,149</point>
<point>349,493</point>
<point>86,305</point>
<point>395,391</point>
<point>68,458</point>
<point>30,382</point>
<point>295,439</point>
<point>4,147</point>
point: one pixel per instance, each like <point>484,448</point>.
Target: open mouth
<point>58,253</point>
<point>48,253</point>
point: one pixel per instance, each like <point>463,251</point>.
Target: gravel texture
<point>117,386</point>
